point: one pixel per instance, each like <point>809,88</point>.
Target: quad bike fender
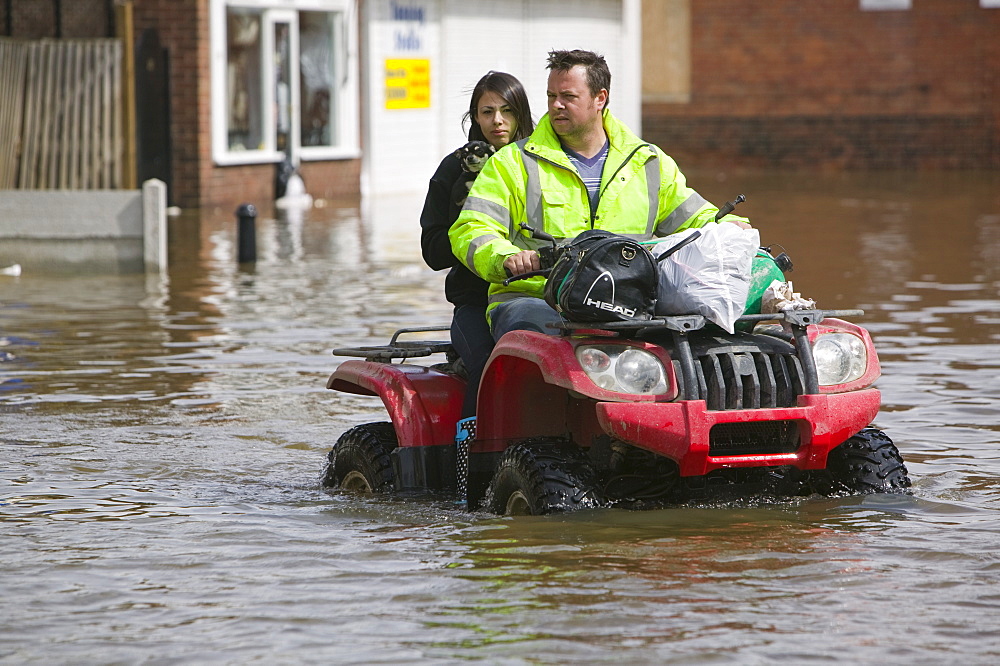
<point>424,404</point>
<point>528,387</point>
<point>680,430</point>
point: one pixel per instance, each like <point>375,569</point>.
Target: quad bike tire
<point>360,461</point>
<point>865,464</point>
<point>543,476</point>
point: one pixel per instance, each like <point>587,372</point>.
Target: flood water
<point>161,443</point>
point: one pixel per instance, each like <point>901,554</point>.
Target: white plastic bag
<point>709,276</point>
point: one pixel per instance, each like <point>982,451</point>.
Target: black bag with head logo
<point>601,276</point>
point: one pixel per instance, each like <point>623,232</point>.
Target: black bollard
<point>247,234</point>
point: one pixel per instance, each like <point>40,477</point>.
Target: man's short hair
<point>598,74</point>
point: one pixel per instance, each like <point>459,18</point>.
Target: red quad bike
<point>633,414</point>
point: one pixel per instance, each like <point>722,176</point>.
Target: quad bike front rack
<point>679,327</point>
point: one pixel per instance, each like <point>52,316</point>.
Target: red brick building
<point>174,37</point>
<point>755,83</point>
<point>183,27</point>
<point>828,84</point>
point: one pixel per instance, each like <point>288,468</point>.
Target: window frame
<point>345,71</point>
<point>885,5</point>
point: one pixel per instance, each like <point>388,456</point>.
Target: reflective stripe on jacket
<point>643,194</point>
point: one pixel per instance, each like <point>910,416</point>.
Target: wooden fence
<point>61,114</point>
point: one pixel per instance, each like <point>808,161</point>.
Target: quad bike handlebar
<point>547,254</point>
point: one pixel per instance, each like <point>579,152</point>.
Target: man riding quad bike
<point>629,413</point>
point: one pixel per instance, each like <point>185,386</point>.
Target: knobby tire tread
<point>867,463</point>
<point>553,475</point>
<point>365,448</point>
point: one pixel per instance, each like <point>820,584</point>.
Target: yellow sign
<point>407,83</point>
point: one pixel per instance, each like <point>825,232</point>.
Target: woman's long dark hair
<point>512,93</point>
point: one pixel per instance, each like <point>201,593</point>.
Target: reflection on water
<point>162,441</point>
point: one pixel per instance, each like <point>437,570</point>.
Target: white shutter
<point>592,25</point>
<point>401,145</point>
<point>477,36</point>
<point>466,38</point>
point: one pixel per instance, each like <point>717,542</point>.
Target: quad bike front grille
<point>763,437</point>
<point>749,379</point>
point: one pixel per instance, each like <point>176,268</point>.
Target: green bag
<point>763,272</point>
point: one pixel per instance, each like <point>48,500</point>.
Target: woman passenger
<point>499,114</point>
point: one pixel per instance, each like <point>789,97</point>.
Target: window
<point>885,5</point>
<point>284,80</point>
<point>245,122</point>
<point>317,76</point>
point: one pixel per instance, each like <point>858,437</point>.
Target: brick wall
<point>183,27</point>
<point>230,186</point>
<point>86,19</point>
<point>37,19</point>
<point>823,84</point>
<point>33,20</point>
<point>332,180</point>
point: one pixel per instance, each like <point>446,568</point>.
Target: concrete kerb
<point>122,231</point>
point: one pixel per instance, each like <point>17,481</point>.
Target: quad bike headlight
<point>623,369</point>
<point>840,358</point>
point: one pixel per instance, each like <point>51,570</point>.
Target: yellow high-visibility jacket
<point>643,194</point>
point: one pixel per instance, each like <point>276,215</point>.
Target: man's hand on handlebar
<point>524,261</point>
